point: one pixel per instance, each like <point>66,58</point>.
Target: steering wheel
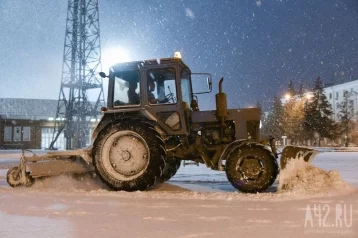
<point>167,98</point>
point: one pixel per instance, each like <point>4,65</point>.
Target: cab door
<point>162,97</point>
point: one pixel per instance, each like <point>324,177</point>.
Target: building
<point>27,123</point>
<point>335,96</point>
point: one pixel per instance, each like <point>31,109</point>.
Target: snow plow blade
<point>296,152</point>
<point>57,167</point>
<point>51,164</point>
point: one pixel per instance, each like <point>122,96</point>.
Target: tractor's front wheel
<point>129,156</point>
<point>251,168</point>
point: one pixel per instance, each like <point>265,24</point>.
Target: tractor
<point>152,123</point>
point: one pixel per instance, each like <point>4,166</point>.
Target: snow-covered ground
<point>197,202</point>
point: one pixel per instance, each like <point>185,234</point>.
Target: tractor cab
<point>160,90</point>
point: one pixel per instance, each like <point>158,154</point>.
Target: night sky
<point>257,46</point>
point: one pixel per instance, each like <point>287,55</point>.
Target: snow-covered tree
<point>293,118</point>
<point>318,115</point>
<point>345,115</point>
<point>273,123</point>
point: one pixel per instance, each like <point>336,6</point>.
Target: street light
<point>287,96</point>
<point>309,96</point>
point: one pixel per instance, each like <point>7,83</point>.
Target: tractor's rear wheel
<point>129,156</point>
<point>251,168</point>
<point>171,167</point>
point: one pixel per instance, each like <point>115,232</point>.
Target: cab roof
<point>144,63</point>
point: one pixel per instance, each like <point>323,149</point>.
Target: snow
<point>197,202</point>
<point>300,177</point>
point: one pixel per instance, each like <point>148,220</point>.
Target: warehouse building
<point>28,124</point>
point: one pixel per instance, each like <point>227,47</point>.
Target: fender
<point>237,144</point>
<point>110,118</point>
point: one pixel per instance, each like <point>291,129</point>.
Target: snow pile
<point>70,182</point>
<point>300,177</point>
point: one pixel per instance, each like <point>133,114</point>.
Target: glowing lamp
<point>177,55</point>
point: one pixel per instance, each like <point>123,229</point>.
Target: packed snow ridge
<point>300,177</point>
<point>299,180</point>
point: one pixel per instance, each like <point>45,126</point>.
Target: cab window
<point>161,86</point>
<point>126,89</point>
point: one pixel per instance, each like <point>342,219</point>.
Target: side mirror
<point>198,85</point>
<point>103,75</point>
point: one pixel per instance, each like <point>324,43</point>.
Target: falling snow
<point>242,41</point>
<point>189,13</point>
<point>256,45</point>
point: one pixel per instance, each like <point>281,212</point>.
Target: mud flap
<point>296,152</point>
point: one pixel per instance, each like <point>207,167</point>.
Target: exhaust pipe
<point>221,104</point>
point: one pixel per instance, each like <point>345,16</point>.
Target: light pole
<point>284,137</point>
<point>355,106</point>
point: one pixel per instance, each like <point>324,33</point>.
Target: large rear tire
<point>171,167</point>
<point>251,168</point>
<point>129,156</point>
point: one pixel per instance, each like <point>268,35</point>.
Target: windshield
<point>161,86</point>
